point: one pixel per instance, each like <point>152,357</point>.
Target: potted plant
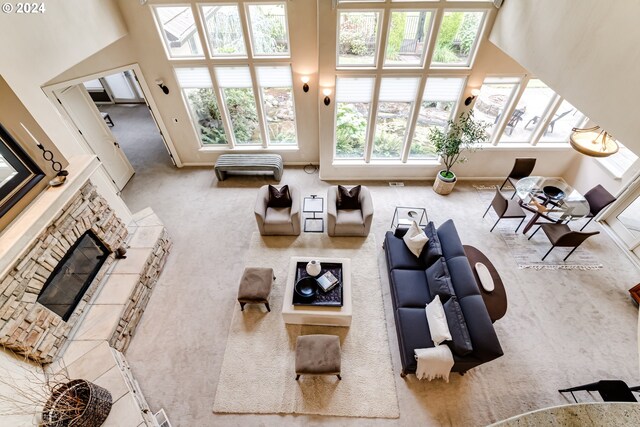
<point>450,142</point>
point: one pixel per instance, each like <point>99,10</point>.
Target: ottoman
<point>255,286</point>
<point>318,355</point>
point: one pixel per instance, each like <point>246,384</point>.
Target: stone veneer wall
<point>142,292</point>
<point>27,326</point>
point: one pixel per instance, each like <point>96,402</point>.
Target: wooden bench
<point>248,163</point>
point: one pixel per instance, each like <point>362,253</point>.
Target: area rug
<point>529,253</point>
<point>258,370</point>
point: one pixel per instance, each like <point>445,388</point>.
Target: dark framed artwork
<point>18,172</point>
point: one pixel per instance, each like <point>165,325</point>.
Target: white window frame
<point>376,53</point>
<point>427,44</point>
<point>165,42</point>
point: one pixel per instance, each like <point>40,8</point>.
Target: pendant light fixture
<point>594,142</point>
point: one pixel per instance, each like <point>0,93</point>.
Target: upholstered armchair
<point>278,221</point>
<point>349,222</point>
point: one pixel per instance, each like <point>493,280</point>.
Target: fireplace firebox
<point>72,276</point>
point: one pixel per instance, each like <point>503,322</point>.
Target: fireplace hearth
<point>72,276</point>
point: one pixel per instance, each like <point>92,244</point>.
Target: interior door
<point>123,88</point>
<point>624,220</point>
<point>87,118</point>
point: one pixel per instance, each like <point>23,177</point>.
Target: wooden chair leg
<point>548,252</point>
<point>268,308</point>
<point>242,306</point>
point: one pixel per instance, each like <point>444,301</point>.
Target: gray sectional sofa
<point>442,269</point>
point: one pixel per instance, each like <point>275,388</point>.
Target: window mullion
<point>433,35</point>
<point>505,116</point>
<point>259,108</point>
<point>204,41</point>
<point>413,119</point>
<point>544,123</point>
<point>373,114</point>
<point>222,107</point>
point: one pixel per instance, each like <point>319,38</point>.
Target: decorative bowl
<point>553,192</point>
<point>307,287</point>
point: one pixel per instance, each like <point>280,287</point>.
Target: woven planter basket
<point>443,187</point>
<point>92,410</point>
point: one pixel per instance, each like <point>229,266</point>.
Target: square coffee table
<point>318,315</point>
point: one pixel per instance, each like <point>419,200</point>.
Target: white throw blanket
<point>434,362</point>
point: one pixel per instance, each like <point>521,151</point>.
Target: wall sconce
<point>305,86</point>
<point>474,93</point>
<point>326,93</point>
<point>165,89</point>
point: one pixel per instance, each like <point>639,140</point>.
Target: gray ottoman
<point>255,286</point>
<point>318,355</point>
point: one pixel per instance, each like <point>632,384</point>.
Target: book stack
<point>327,281</point>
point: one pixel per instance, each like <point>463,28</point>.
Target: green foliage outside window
<point>207,115</point>
<point>351,129</point>
<point>396,35</point>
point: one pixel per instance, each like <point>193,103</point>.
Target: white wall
<point>586,50</point>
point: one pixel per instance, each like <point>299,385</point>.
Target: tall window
<point>395,103</point>
<point>224,30</point>
<point>277,103</point>
<point>495,95</point>
<point>530,109</point>
<point>240,103</point>
<point>203,106</point>
<point>179,33</point>
<point>565,118</point>
<point>439,101</point>
<point>353,103</point>
<point>358,38</point>
<point>407,38</point>
<point>457,38</point>
<point>250,101</point>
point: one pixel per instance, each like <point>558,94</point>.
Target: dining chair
<point>505,209</point>
<point>598,199</point>
<point>609,390</point>
<point>561,236</point>
<point>521,169</point>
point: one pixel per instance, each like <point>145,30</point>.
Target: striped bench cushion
<point>249,163</point>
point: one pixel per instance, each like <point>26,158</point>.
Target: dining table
<point>550,199</point>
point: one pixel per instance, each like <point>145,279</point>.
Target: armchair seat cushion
<point>349,217</point>
<point>278,216</point>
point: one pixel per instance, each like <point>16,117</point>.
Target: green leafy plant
<point>467,32</point>
<point>351,128</point>
<point>461,135</point>
<point>396,35</point>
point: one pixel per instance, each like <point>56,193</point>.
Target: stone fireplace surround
<point>27,326</point>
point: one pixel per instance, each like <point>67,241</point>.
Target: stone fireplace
<point>26,325</point>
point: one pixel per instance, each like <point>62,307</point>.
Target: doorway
<point>116,121</point>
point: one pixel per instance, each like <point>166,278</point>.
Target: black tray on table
<point>333,298</point>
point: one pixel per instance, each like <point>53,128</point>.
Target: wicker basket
<point>443,187</point>
<point>78,403</point>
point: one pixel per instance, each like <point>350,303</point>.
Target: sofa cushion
<point>399,256</point>
<point>438,280</point>
<point>348,199</point>
<point>460,339</point>
<point>415,239</point>
<point>413,333</point>
<point>449,240</point>
<point>410,288</point>
<point>433,250</point>
<point>279,198</point>
<point>464,282</point>
<point>486,345</point>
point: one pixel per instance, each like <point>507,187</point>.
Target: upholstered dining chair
<point>278,221</point>
<point>349,222</point>
<point>505,209</point>
<point>598,199</point>
<point>521,169</point>
<point>561,236</point>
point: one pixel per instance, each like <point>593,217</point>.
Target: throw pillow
<point>348,199</point>
<point>415,239</point>
<point>279,198</point>
<point>460,338</point>
<point>437,320</point>
<point>434,250</point>
<point>439,281</point>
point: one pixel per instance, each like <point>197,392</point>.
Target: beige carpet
<point>257,374</point>
<point>528,253</point>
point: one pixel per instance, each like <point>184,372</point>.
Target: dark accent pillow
<point>348,199</point>
<point>439,281</point>
<point>460,340</point>
<point>279,198</point>
<point>433,250</point>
